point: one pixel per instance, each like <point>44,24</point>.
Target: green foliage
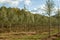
<point>14,18</point>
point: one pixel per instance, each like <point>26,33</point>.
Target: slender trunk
<point>49,26</point>
<point>2,28</point>
<point>58,26</point>
<point>10,27</point>
<point>58,22</point>
<point>58,19</point>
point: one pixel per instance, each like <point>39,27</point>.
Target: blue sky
<point>30,4</point>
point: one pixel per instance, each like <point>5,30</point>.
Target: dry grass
<point>25,35</point>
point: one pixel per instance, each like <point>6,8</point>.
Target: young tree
<point>49,7</point>
<point>58,18</point>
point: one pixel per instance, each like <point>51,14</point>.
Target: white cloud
<point>35,8</point>
<point>42,6</point>
<point>1,1</point>
<point>13,3</point>
<point>43,9</point>
<point>27,2</point>
<point>40,9</point>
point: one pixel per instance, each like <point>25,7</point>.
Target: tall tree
<point>49,8</point>
<point>58,18</point>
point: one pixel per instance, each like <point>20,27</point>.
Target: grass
<point>10,36</point>
<point>58,39</point>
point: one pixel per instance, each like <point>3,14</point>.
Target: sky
<point>31,5</point>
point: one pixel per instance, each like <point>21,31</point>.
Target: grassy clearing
<point>18,36</point>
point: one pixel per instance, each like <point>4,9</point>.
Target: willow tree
<point>49,8</point>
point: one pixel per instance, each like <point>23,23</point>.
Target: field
<point>27,35</point>
<point>58,39</point>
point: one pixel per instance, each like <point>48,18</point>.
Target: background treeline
<point>15,19</point>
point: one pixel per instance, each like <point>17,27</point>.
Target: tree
<point>58,18</point>
<point>49,7</point>
<point>3,16</point>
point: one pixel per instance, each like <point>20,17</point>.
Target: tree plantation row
<point>14,18</point>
